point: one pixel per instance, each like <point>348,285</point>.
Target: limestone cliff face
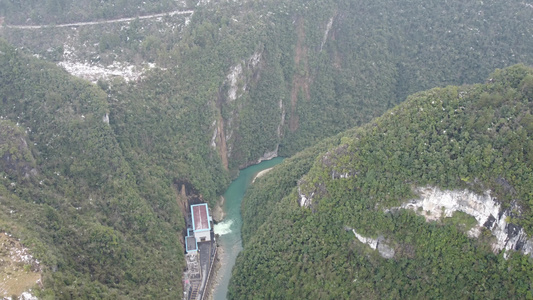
<point>435,204</point>
<point>380,244</point>
<point>237,82</point>
<point>234,102</point>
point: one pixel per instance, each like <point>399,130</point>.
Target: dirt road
<point>172,13</point>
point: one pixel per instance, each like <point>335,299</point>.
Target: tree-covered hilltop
<point>95,203</point>
<point>281,75</point>
<point>475,138</point>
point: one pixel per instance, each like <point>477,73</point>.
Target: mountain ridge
<point>454,138</point>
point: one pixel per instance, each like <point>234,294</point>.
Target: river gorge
<point>229,230</point>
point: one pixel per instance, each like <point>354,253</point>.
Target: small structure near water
<point>200,248</point>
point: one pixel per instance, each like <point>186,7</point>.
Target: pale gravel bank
<point>262,173</point>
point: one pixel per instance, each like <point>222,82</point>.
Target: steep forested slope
<point>315,236</point>
<point>274,76</point>
<point>102,221</point>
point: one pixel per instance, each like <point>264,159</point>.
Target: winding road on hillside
<point>172,13</point>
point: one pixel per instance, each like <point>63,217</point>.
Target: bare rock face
<point>237,83</point>
<point>379,244</point>
<point>385,250</point>
<point>435,203</point>
<point>304,199</point>
<point>269,155</point>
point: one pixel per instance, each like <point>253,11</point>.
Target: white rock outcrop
<point>373,243</point>
<point>237,80</point>
<point>328,28</point>
<point>269,155</point>
<point>233,80</point>
<point>94,71</point>
<point>303,199</point>
<point>435,203</point>
<point>379,244</point>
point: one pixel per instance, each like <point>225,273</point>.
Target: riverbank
<point>262,173</point>
<point>218,212</point>
<point>215,280</point>
<point>218,216</point>
<point>228,231</point>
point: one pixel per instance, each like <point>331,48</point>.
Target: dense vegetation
<point>102,194</point>
<point>330,64</point>
<point>89,204</point>
<point>475,137</point>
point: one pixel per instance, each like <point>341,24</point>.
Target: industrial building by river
<point>200,248</point>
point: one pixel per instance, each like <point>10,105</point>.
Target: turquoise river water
<point>229,230</point>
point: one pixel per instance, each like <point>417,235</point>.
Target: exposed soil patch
<point>221,134</point>
<point>222,139</point>
<point>19,270</point>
